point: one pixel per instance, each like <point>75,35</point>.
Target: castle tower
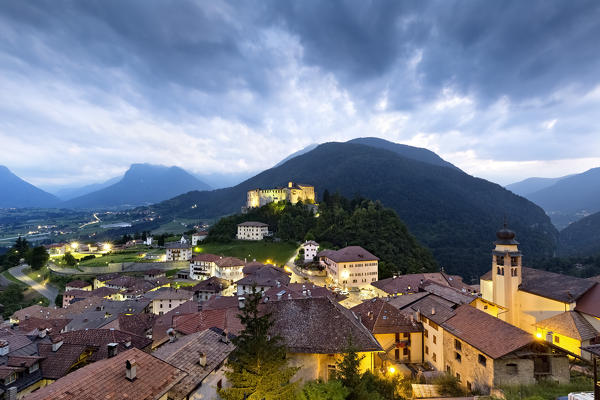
<point>507,274</point>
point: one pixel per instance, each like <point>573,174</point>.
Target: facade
<point>350,267</point>
<point>198,237</point>
<point>178,251</point>
<point>202,266</point>
<point>262,279</point>
<point>229,268</point>
<point>310,250</point>
<point>293,193</point>
<point>210,287</point>
<point>78,285</point>
<point>400,336</point>
<point>252,230</point>
<point>165,300</point>
<point>562,309</point>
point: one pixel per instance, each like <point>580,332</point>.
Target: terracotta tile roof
<point>348,254</point>
<point>57,364</point>
<point>22,361</point>
<point>380,317</point>
<point>486,333</point>
<point>108,277</point>
<point>103,292</point>
<point>217,302</point>
<point>16,340</point>
<point>163,322</point>
<point>589,303</point>
<point>224,319</point>
<point>433,309</point>
<point>36,311</point>
<point>253,223</point>
<point>595,278</point>
<point>297,291</point>
<point>401,302</point>
<point>265,276</point>
<point>448,293</point>
<point>487,276</point>
<point>172,294</point>
<point>131,282</point>
<point>6,371</point>
<point>559,287</point>
<point>412,283</point>
<point>52,325</point>
<point>184,354</point>
<point>106,380</point>
<point>100,338</point>
<point>229,262</point>
<point>212,284</point>
<point>571,324</point>
<point>137,324</point>
<point>318,325</point>
<point>206,257</point>
<point>78,284</point>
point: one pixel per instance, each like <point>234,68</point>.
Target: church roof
<point>570,324</point>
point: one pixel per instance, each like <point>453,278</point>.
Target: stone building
<point>350,267</point>
<point>293,193</point>
<point>562,309</point>
<point>252,230</point>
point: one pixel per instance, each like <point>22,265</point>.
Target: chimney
<point>278,283</point>
<point>308,292</point>
<point>56,344</point>
<point>202,359</point>
<point>11,393</point>
<point>128,342</point>
<point>111,348</point>
<point>130,369</point>
<point>241,300</point>
<point>290,184</point>
<point>549,336</point>
<point>42,333</point>
<point>171,335</point>
<point>432,310</point>
<point>225,336</point>
<point>4,347</point>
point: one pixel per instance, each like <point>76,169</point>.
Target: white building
<point>177,251</point>
<point>149,240</point>
<point>310,250</point>
<point>198,237</point>
<point>349,267</point>
<point>203,266</point>
<point>164,300</point>
<point>252,230</point>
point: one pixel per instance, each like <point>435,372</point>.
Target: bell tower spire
<point>506,273</point>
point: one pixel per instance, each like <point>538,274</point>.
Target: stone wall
<point>472,372</point>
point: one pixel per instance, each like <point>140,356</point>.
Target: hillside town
<point>519,326</point>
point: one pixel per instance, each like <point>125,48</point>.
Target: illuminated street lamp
<point>74,245</point>
<point>106,247</point>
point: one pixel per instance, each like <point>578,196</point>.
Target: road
<point>48,291</point>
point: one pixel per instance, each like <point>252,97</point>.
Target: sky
<point>504,90</point>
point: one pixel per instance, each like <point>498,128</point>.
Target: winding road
<point>48,291</point>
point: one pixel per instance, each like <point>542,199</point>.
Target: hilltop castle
<point>293,193</point>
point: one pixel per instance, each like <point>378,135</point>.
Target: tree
<point>257,368</point>
<point>319,390</point>
<point>21,245</point>
<point>348,368</point>
<point>38,257</point>
<point>69,259</point>
<point>161,240</point>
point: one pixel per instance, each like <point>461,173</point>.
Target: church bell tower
<point>507,274</point>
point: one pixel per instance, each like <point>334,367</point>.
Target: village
<point>170,336</point>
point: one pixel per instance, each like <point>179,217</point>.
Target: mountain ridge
<point>18,193</point>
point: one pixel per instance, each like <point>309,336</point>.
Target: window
<point>331,370</point>
<point>426,333</point>
<point>433,325</point>
<point>556,339</point>
<point>512,369</point>
<point>469,387</point>
<point>482,360</point>
<point>434,339</point>
<point>397,337</point>
<point>458,376</point>
<point>434,357</point>
<point>397,354</point>
<point>448,370</point>
<point>457,344</point>
<point>457,356</point>
<point>34,368</point>
<point>10,379</point>
<point>426,350</point>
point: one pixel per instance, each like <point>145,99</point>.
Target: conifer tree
<point>257,368</point>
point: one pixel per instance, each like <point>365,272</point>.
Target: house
<point>78,285</point>
<point>202,266</point>
<point>35,326</point>
<point>57,249</point>
<point>20,362</point>
<point>163,323</point>
<point>225,319</point>
<point>209,287</point>
<point>178,251</point>
<point>262,279</point>
<point>294,192</point>
<point>310,248</point>
<point>229,268</point>
<point>138,324</point>
<point>149,240</point>
<point>483,352</point>
<point>72,296</point>
<point>202,356</point>
<point>562,308</point>
<point>252,230</point>
<point>166,299</point>
<point>350,267</point>
<point>316,332</point>
<point>153,274</point>
<point>132,374</point>
<point>100,281</point>
<point>413,283</point>
<point>198,237</point>
<point>400,336</point>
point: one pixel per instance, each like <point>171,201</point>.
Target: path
<point>48,291</point>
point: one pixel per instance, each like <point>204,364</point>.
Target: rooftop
<point>206,257</point>
<point>433,309</point>
<point>571,324</point>
<point>229,262</point>
<point>267,275</point>
<point>78,284</point>
<point>106,380</point>
<point>253,223</point>
<point>172,294</point>
<point>212,284</point>
<point>589,303</point>
<point>380,317</point>
<point>348,254</point>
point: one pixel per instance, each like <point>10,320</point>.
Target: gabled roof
<point>486,333</point>
<point>379,317</point>
<point>178,245</point>
<point>212,284</point>
<point>218,302</point>
<point>411,283</point>
<point>570,324</point>
<point>163,322</point>
<point>229,262</point>
<point>171,294</point>
<point>106,380</point>
<point>100,338</point>
<point>448,293</point>
<point>266,276</point>
<point>318,325</point>
<point>53,325</point>
<point>57,364</point>
<point>554,286</point>
<point>253,223</point>
<point>78,284</point>
<point>589,303</point>
<point>206,257</point>
<point>297,291</point>
<point>434,309</point>
<point>184,354</point>
<point>137,324</point>
<point>224,319</point>
<point>348,254</point>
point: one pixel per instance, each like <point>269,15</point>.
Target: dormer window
<point>34,368</point>
<point>10,379</point>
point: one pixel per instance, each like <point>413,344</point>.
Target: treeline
<point>583,267</point>
<point>340,222</point>
<point>36,256</point>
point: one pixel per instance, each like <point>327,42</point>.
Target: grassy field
<point>278,253</point>
<point>549,390</point>
<point>11,278</point>
<point>39,276</point>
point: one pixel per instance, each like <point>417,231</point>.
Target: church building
<point>560,309</point>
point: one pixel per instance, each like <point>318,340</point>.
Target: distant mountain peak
<point>18,193</point>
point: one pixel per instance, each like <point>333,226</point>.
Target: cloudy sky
<point>504,90</point>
